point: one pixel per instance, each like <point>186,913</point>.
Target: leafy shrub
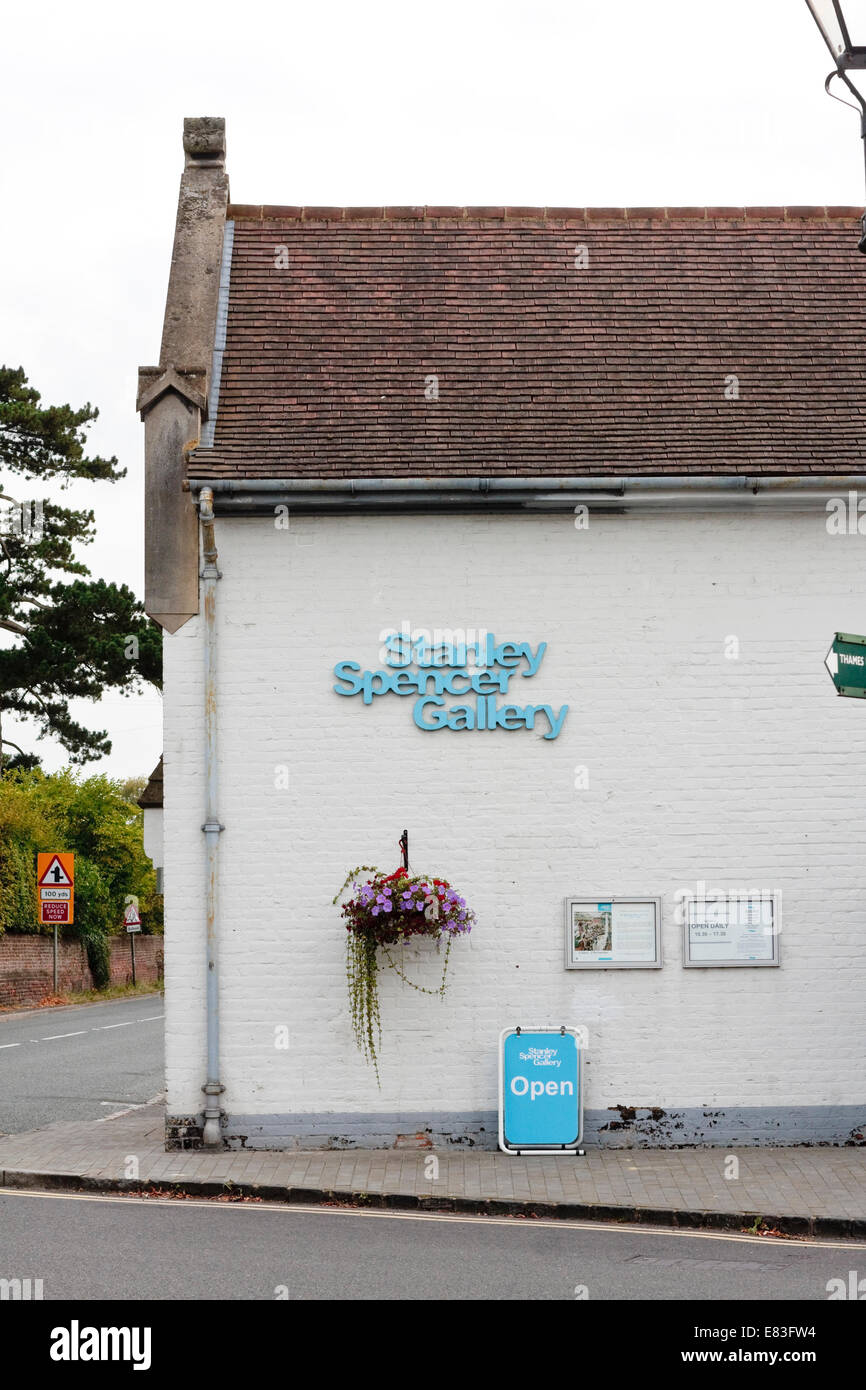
<point>92,818</point>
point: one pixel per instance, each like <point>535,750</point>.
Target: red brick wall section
<point>27,966</point>
<point>148,959</point>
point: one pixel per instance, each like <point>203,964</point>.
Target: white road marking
<point>79,1032</point>
<point>118,1113</point>
<point>299,1209</point>
<point>67,1008</point>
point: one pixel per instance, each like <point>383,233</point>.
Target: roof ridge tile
<point>267,212</point>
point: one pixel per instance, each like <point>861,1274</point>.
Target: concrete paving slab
<point>819,1190</point>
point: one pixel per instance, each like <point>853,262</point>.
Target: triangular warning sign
<point>131,917</point>
<point>55,875</point>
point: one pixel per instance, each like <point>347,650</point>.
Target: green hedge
<point>94,819</point>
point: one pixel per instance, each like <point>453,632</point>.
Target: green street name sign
<point>846,662</point>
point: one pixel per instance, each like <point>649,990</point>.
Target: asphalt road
<point>80,1063</point>
<point>126,1248</point>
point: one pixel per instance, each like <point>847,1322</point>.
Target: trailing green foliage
<point>93,819</point>
<point>385,910</point>
<point>362,969</point>
<point>98,955</point>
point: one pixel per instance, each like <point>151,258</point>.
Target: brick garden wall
<point>27,966</point>
<point>148,959</point>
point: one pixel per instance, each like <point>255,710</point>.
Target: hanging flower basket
<point>386,910</point>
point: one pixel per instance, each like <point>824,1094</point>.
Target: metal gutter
<point>213,1089</point>
<point>251,495</point>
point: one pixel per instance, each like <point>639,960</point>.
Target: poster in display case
<point>612,933</point>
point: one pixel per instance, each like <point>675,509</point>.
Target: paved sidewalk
<point>798,1190</point>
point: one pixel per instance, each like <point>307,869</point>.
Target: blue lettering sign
<point>480,669</point>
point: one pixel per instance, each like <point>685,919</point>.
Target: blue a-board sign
<point>540,1090</point>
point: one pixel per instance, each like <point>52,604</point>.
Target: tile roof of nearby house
<point>563,341</point>
<point>151,797</point>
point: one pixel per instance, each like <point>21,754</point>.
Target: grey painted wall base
<point>620,1127</point>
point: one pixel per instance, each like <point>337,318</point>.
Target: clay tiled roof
<point>619,365</point>
<point>152,795</point>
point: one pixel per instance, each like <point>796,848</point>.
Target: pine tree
<point>74,636</point>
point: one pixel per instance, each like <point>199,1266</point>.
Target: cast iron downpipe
<point>211,1135</point>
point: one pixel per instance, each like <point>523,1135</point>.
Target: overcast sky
<point>564,103</point>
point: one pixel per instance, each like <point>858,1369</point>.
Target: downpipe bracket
<point>211,1135</point>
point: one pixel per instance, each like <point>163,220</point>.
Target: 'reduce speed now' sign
<point>540,1090</point>
<point>55,885</point>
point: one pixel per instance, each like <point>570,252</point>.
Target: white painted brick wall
<point>746,774</point>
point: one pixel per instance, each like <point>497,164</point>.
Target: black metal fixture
<point>404,846</point>
<point>830,19</point>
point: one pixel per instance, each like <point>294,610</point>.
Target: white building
<point>631,436</point>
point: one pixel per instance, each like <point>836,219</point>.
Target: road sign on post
<point>55,887</point>
<point>132,922</point>
<point>846,662</point>
<point>131,919</point>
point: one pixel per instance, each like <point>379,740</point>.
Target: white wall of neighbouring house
<point>153,835</point>
<point>742,772</point>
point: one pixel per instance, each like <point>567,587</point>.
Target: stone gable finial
<point>204,139</point>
